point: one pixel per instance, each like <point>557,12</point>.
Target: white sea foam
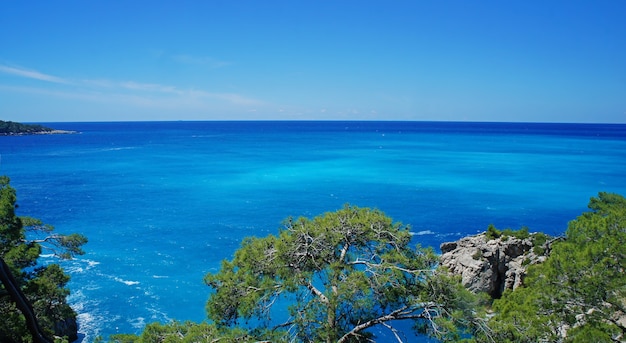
<point>138,322</point>
<point>127,282</point>
<point>74,269</point>
<point>158,315</point>
<point>424,232</point>
<point>119,148</point>
<point>451,234</point>
<point>91,263</point>
<point>90,319</point>
<point>92,286</point>
<point>205,136</point>
<point>87,327</point>
<point>79,266</point>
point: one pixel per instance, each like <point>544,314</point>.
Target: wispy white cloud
<point>31,74</point>
<point>127,93</point>
<point>150,90</point>
<point>148,87</point>
<point>189,94</point>
<point>58,93</point>
<point>98,83</point>
<point>198,60</point>
<point>185,100</point>
<point>111,97</point>
<point>228,97</point>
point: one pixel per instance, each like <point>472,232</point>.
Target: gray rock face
<point>489,265</point>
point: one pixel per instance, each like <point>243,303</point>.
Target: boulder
<point>489,265</point>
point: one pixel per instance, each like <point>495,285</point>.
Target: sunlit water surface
<point>162,203</point>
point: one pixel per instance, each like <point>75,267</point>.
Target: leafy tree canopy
<point>341,273</point>
<point>578,294</point>
<point>26,285</point>
<point>352,270</point>
<point>187,332</point>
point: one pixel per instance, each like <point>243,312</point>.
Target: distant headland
<point>10,128</point>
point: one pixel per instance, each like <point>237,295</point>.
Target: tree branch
<point>63,246</point>
<point>403,313</point>
<point>344,250</point>
<point>393,330</point>
<point>317,292</point>
<point>391,266</point>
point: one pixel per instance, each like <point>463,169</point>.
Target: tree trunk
<point>21,302</point>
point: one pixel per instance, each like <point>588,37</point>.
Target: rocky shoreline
<point>9,128</point>
<point>53,132</point>
<point>491,265</point>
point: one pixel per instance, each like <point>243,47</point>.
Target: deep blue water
<point>162,203</point>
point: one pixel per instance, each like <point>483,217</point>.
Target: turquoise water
<point>162,203</point>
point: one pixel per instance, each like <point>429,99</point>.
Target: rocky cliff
<point>491,265</point>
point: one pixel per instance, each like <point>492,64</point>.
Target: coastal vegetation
<point>579,293</point>
<point>33,304</point>
<point>348,276</point>
<point>344,272</point>
<point>13,128</point>
<point>538,239</point>
<point>338,277</point>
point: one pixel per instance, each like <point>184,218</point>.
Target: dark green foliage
<point>492,232</point>
<point>189,332</point>
<point>539,240</point>
<point>580,287</point>
<point>43,286</point>
<point>350,270</point>
<point>344,272</point>
<point>124,338</point>
<point>13,128</point>
<point>520,234</point>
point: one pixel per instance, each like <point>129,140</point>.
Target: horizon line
<point>321,120</point>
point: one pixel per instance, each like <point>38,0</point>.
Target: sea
<point>163,203</point>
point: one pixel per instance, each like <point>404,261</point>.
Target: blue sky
<point>556,61</point>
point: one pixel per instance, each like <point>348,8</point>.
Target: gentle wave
<point>162,208</point>
<point>421,233</point>
<point>127,282</point>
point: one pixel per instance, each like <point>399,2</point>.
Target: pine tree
<point>579,293</point>
<point>342,273</point>
<point>32,297</point>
